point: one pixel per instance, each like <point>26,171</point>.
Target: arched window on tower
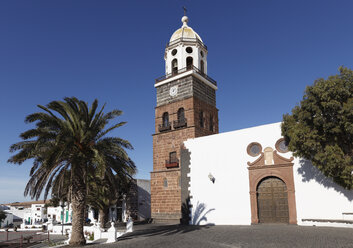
<point>174,66</point>
<point>181,115</point>
<point>165,119</point>
<point>202,65</point>
<point>181,122</point>
<point>165,126</point>
<point>211,123</point>
<point>189,62</point>
<point>201,119</point>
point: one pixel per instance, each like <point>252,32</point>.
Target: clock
<point>173,91</point>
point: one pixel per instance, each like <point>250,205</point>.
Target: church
<point>243,177</point>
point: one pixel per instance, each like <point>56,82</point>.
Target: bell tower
<point>186,108</point>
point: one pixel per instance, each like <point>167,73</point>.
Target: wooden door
<point>272,201</point>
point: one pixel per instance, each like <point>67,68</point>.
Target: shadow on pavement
<point>152,230</point>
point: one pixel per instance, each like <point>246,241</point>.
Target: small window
<point>201,53</point>
<point>254,149</point>
<point>165,119</point>
<point>189,62</point>
<point>174,66</point>
<point>165,183</point>
<point>181,114</point>
<point>201,119</point>
<point>172,157</point>
<point>281,146</point>
<point>211,123</point>
<point>202,65</point>
<point>188,50</point>
<point>174,52</point>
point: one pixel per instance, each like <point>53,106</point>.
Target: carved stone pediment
<point>270,157</point>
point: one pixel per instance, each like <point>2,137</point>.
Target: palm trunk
<point>104,217</point>
<point>78,199</point>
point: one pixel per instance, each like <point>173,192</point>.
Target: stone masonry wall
<point>187,87</point>
<point>194,96</point>
<point>204,92</point>
<point>166,198</point>
<point>184,91</point>
<point>208,110</point>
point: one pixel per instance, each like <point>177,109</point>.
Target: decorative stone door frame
<point>271,164</point>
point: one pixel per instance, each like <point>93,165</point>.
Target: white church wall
<point>317,196</point>
<point>227,200</point>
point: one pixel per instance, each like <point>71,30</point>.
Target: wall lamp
<point>212,178</point>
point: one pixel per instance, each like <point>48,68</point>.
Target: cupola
<point>185,50</point>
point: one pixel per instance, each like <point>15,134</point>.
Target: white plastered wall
<point>227,200</point>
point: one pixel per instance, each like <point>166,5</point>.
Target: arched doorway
<point>272,201</point>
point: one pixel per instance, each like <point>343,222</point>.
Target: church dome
<point>185,32</point>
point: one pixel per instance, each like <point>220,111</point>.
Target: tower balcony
<point>180,123</point>
<point>164,127</point>
<point>172,163</point>
<point>191,69</point>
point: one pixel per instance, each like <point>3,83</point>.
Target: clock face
<point>173,91</point>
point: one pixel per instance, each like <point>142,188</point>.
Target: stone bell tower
<point>186,108</point>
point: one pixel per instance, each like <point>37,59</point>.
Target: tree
<point>320,129</point>
<point>105,192</point>
<point>101,195</point>
<point>69,138</point>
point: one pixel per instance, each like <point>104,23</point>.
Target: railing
<point>22,239</point>
<point>180,123</point>
<point>172,163</point>
<point>163,127</point>
<point>186,40</point>
<point>189,68</point>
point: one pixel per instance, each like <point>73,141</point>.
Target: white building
<point>23,211</point>
<point>248,176</point>
<point>36,215</point>
<point>18,212</point>
<point>60,214</point>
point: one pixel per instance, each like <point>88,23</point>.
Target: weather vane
<point>184,10</point>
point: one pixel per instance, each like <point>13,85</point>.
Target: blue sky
<point>262,53</point>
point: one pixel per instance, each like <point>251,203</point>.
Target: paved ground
<point>283,236</point>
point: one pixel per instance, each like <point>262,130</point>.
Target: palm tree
<point>105,192</point>
<point>69,138</point>
<point>101,195</point>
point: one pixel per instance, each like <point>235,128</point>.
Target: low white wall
<point>227,200</point>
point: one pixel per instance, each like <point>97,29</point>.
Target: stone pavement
<point>283,236</point>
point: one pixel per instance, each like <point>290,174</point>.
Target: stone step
<point>166,221</point>
<point>347,216</point>
<point>330,220</point>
